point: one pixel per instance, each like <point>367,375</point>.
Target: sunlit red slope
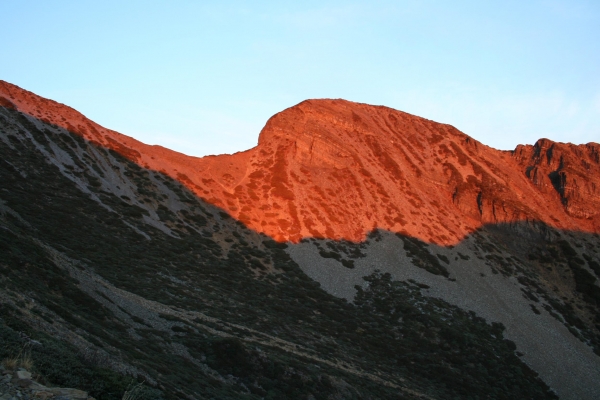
<point>337,169</point>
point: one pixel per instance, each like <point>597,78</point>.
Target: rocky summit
<point>357,252</point>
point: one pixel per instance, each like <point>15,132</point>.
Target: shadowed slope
<point>498,273</point>
<point>116,272</point>
<point>336,169</point>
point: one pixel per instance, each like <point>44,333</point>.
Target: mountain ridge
<point>338,169</point>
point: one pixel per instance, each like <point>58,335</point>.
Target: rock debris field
<point>19,385</point>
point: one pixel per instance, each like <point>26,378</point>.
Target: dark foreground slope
<point>109,271</point>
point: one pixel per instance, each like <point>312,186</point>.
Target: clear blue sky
<point>203,77</point>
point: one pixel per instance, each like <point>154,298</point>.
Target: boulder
<point>22,374</point>
<point>22,378</point>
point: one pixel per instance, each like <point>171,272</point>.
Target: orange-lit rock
<point>337,169</point>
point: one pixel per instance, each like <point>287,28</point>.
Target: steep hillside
<point>110,271</point>
<point>419,263</point>
<point>337,170</point>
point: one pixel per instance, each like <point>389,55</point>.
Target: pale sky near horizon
<point>203,77</point>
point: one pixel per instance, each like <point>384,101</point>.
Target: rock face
<point>567,170</point>
<point>336,169</point>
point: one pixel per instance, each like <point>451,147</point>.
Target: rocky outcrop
<point>337,169</point>
<point>570,171</point>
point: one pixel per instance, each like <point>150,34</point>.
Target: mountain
<point>337,170</point>
<point>356,252</point>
